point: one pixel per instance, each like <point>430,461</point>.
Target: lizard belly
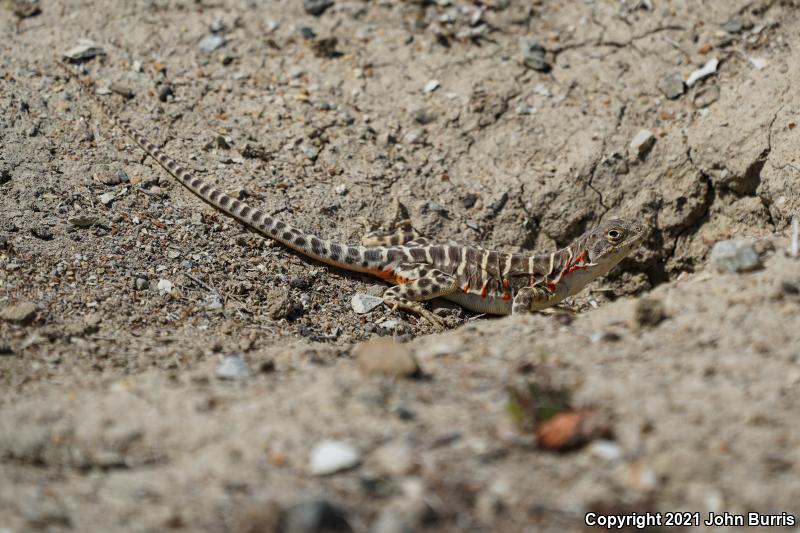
<point>481,304</point>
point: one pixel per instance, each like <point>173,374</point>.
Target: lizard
<point>478,279</point>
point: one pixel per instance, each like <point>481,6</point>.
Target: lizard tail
<point>348,257</point>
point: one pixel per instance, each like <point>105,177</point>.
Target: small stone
<point>307,33</point>
<point>331,456</point>
<point>233,367</point>
<point>705,96</point>
<point>390,522</point>
<point>317,7</point>
<point>642,143</point>
<point>309,151</point>
<point>705,71</point>
<point>396,458</point>
<point>141,284</point>
<point>22,313</point>
<point>107,197</point>
<point>534,55</point>
<point>209,43</point>
<point>341,189</point>
<point>386,357</point>
<point>605,449</point>
<point>649,312</point>
<point>364,303</point>
<point>469,199</point>
<point>672,85</point>
<point>733,256</point>
<point>736,24</point>
<point>431,86</point>
<point>164,286</point>
<point>42,232</point>
<point>112,177</point>
<point>85,49</point>
<point>435,206</point>
<point>164,92</point>
<point>389,325</point>
<point>759,63</point>
<point>415,136</point>
<point>295,72</point>
<point>313,516</point>
<point>122,90</point>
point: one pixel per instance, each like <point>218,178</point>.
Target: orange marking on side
<point>551,286</point>
<point>386,272</point>
<point>506,296</point>
<point>484,291</point>
<point>465,287</point>
<point>506,283</point>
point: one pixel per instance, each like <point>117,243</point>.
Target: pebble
<point>85,49</point>
<point>534,55</point>
<point>107,197</point>
<point>390,522</point>
<point>22,313</point>
<point>209,43</point>
<point>141,284</point>
<point>705,71</point>
<point>112,177</point>
<point>164,92</point>
<point>386,357</point>
<point>733,256</point>
<point>331,456</point>
<point>431,86</point>
<point>42,232</point>
<point>389,325</point>
<point>341,189</point>
<point>736,24</point>
<point>605,449</point>
<point>164,286</point>
<point>672,85</point>
<point>649,312</point>
<point>309,151</point>
<point>233,367</point>
<point>364,303</point>
<point>295,72</point>
<point>705,96</point>
<point>415,136</point>
<point>642,143</point>
<point>396,458</point>
<point>313,516</point>
<point>317,7</point>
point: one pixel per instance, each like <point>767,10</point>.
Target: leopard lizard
<point>480,280</point>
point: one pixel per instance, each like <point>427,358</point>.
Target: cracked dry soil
<point>112,416</point>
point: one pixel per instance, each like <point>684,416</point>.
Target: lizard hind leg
<point>417,285</point>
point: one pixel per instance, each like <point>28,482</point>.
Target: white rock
<point>759,62</point>
<point>107,198</point>
<point>605,449</point>
<point>642,142</point>
<point>364,303</point>
<point>165,286</point>
<point>703,72</point>
<point>431,86</point>
<point>733,256</point>
<point>233,367</point>
<point>330,456</point>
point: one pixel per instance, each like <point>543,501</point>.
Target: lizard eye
<point>614,235</point>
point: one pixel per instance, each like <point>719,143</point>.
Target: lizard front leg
<point>529,299</point>
<point>417,285</point>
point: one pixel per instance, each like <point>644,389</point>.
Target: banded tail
<point>348,257</point>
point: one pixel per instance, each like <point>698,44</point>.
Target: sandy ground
<point>113,414</point>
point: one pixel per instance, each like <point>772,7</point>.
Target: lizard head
<point>613,240</point>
